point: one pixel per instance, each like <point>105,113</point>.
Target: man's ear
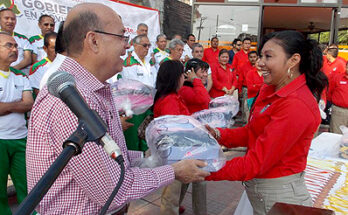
<point>92,41</point>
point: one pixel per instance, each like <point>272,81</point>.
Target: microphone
<point>62,85</point>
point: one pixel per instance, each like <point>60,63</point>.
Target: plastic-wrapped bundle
<point>132,97</point>
<point>225,100</point>
<point>174,138</point>
<point>219,117</point>
<point>343,153</point>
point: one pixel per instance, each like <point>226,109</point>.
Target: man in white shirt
<point>190,40</point>
<point>160,52</point>
<point>60,50</point>
<point>8,22</point>
<point>46,25</point>
<point>15,100</point>
<point>138,66</point>
<point>38,70</point>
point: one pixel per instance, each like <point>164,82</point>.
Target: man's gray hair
<point>197,45</point>
<point>174,42</point>
<point>75,31</point>
<point>160,36</point>
<point>137,39</point>
<point>142,25</point>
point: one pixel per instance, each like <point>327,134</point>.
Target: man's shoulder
<point>17,72</point>
<point>35,38</point>
<point>21,36</point>
<point>38,65</point>
<point>164,60</point>
<point>130,61</point>
<point>156,50</point>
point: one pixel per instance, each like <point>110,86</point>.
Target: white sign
<point>244,27</point>
<point>29,11</point>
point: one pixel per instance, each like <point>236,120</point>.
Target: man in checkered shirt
<point>95,41</point>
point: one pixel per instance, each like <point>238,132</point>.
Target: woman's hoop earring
<point>289,73</point>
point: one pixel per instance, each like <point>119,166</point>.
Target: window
<point>226,22</point>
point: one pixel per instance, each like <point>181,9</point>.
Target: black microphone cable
<point>120,161</point>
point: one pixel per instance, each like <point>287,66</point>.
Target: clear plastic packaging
<point>132,97</point>
<point>174,138</point>
<point>225,100</point>
<point>220,113</point>
<point>219,117</point>
<point>343,153</point>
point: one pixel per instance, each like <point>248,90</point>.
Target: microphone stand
<point>71,147</point>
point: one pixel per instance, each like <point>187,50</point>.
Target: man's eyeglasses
<point>146,45</point>
<point>48,24</point>
<point>10,45</point>
<point>125,38</point>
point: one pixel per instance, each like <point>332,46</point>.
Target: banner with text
<point>29,11</point>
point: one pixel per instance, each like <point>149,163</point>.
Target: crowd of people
<point>278,86</point>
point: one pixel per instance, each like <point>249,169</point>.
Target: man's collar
<point>85,79</point>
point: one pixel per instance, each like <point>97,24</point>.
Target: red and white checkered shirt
<point>89,178</point>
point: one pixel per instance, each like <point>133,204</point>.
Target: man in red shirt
<point>211,55</point>
<point>241,57</point>
<point>242,84</point>
<point>338,95</point>
<point>239,60</point>
<point>333,64</point>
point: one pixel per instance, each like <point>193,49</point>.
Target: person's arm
<point>22,106</point>
<point>209,82</point>
<point>33,57</point>
<point>332,86</point>
<point>195,95</point>
<point>25,62</point>
<point>279,136</point>
<point>252,87</point>
<point>97,175</point>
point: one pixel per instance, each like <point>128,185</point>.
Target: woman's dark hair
<point>60,44</point>
<point>311,57</point>
<point>196,64</point>
<point>222,51</point>
<point>168,78</point>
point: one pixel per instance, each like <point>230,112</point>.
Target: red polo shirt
<point>338,90</point>
<point>239,60</point>
<point>278,134</point>
<point>337,66</point>
<point>196,98</point>
<point>210,56</point>
<point>171,104</point>
<point>254,82</point>
<point>243,71</point>
<point>222,78</point>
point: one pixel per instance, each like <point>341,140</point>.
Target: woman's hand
<point>213,131</point>
<point>225,89</point>
<point>191,75</point>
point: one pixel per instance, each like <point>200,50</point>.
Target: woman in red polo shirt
<point>283,120</point>
<point>193,92</point>
<point>170,79</point>
<point>224,80</point>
